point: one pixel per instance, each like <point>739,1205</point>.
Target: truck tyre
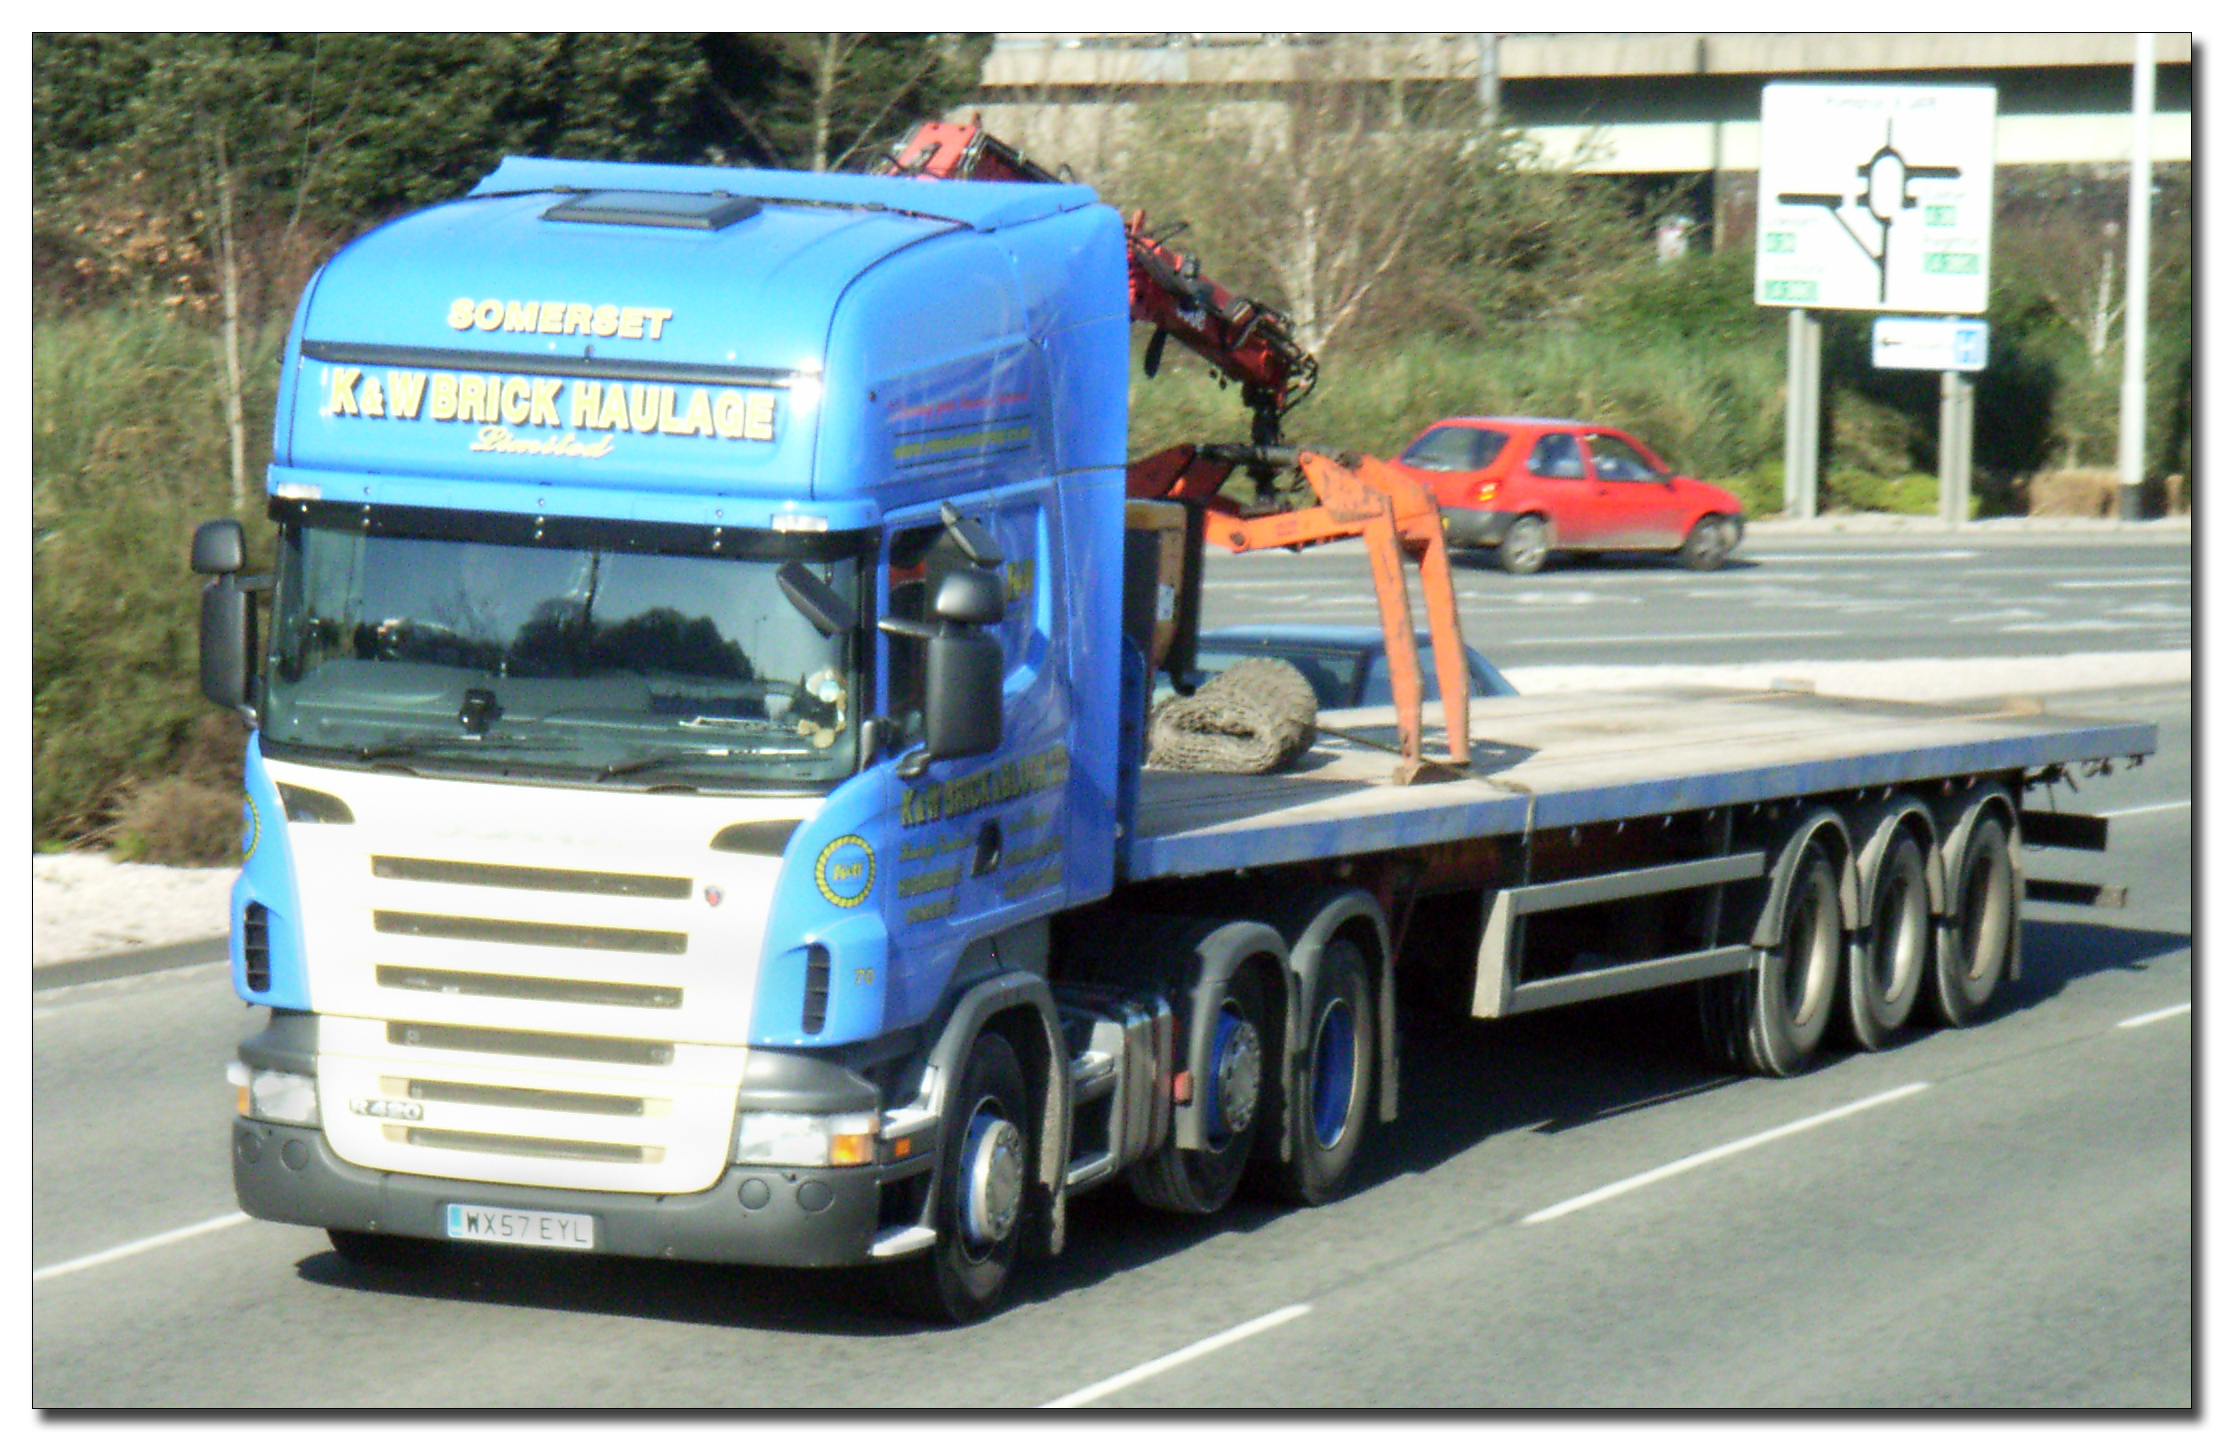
<point>1524,547</point>
<point>1977,943</point>
<point>1174,1179</point>
<point>980,1193</point>
<point>1888,960</point>
<point>1706,546</point>
<point>1770,1019</point>
<point>1326,1118</point>
<point>383,1251</point>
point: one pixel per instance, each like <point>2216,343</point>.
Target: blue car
<point>1344,663</point>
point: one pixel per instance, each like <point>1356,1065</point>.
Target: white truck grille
<point>536,1007</point>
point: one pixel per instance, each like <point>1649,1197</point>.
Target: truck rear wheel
<point>1887,962</point>
<point>1770,1019</point>
<point>1327,1117</point>
<point>980,1194</point>
<point>1976,944</point>
<point>1175,1179</point>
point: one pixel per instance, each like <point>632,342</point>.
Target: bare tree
<point>220,182</point>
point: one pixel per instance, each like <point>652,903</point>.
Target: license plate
<point>573,1230</point>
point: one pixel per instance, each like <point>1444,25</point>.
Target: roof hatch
<point>670,210</point>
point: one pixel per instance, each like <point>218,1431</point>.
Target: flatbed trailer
<point>696,803</point>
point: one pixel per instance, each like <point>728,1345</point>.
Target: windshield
<point>518,656</point>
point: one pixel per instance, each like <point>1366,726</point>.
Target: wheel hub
<point>1237,1067</point>
<point>989,1180</point>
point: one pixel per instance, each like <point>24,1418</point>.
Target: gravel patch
<point>84,904</point>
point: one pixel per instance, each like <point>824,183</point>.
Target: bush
<point>128,454</point>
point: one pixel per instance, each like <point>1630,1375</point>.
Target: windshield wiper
<point>403,746</point>
<point>656,762</point>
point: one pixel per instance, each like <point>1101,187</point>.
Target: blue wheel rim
<point>1335,1049</point>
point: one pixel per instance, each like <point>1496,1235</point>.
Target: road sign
<point>1928,343</point>
<point>1875,197</point>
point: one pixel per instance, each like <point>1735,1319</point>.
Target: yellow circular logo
<point>845,870</point>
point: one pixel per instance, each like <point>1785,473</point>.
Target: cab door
<point>980,841</point>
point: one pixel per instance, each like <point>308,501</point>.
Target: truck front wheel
<point>980,1194</point>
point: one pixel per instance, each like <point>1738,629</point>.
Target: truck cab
<point>691,672</point>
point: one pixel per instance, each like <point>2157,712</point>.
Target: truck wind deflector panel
<point>667,210</point>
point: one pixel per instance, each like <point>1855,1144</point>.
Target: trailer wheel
<point>1174,1179</point>
<point>1886,964</point>
<point>1524,547</point>
<point>1327,1118</point>
<point>383,1251</point>
<point>980,1194</point>
<point>1974,946</point>
<point>1770,1019</point>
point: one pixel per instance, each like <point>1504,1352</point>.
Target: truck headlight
<point>805,1139</point>
<point>275,1096</point>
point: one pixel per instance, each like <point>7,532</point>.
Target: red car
<point>1530,487</point>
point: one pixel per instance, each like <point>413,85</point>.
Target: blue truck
<point>696,802</point>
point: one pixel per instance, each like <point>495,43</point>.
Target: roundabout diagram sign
<point>1875,197</point>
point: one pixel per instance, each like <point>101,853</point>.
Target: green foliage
<point>830,101</point>
<point>1713,411</point>
<point>128,454</point>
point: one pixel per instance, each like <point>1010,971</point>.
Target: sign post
<point>1874,198</point>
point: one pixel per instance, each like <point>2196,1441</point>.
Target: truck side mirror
<point>227,614</point>
<point>219,548</point>
<point>965,693</point>
<point>971,597</point>
<point>227,642</point>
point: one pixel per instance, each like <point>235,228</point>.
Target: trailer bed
<point>1578,759</point>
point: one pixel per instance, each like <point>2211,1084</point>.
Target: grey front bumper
<point>764,1216</point>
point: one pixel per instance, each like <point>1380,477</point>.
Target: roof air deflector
<point>670,210</point>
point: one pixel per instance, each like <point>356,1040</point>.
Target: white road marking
<point>2164,1015</point>
<point>2178,580</point>
<point>1810,558</point>
<point>1175,1359</point>
<point>1659,636</point>
<point>144,1244</point>
<point>1716,1154</point>
<point>2149,809</point>
<point>2080,626</point>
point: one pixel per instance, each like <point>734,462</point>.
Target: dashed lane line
<point>2146,1018</point>
<point>1175,1359</point>
<point>1716,1154</point>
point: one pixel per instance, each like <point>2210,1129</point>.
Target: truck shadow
<point>761,1299</point>
<point>1462,1082</point>
<point>2057,953</point>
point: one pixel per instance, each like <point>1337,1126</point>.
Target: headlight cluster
<point>806,1139</point>
<point>275,1096</point>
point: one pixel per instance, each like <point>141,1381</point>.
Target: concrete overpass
<point>1669,104</point>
